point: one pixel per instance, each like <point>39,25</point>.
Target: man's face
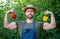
<point>29,13</point>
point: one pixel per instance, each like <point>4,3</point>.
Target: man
<point>29,29</point>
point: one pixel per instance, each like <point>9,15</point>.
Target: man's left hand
<point>48,13</point>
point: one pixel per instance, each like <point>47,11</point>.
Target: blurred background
<point>42,5</point>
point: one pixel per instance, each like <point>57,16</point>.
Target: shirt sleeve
<point>39,28</point>
<point>40,24</point>
<point>19,28</point>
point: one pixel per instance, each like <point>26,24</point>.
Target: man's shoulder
<point>40,23</point>
<point>19,21</point>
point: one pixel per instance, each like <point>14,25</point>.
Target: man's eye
<point>28,11</point>
<point>31,11</point>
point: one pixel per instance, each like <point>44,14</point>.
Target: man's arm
<point>8,25</point>
<point>52,24</point>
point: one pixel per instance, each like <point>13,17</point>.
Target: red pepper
<point>13,15</point>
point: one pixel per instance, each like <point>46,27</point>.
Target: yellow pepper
<point>45,18</point>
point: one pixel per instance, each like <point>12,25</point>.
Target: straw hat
<point>28,7</point>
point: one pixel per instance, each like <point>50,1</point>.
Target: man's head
<point>29,10</point>
<point>29,13</point>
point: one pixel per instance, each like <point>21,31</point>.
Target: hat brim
<point>25,8</point>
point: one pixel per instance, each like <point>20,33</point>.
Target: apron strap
<point>23,25</point>
<point>34,24</point>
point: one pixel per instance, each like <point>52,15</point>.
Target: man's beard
<point>30,17</point>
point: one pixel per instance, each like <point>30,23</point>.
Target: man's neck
<point>29,20</point>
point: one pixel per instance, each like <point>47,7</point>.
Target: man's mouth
<point>30,16</point>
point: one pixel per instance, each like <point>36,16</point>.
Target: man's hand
<point>9,11</point>
<point>48,13</point>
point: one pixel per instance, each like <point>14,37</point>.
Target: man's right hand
<point>9,11</point>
